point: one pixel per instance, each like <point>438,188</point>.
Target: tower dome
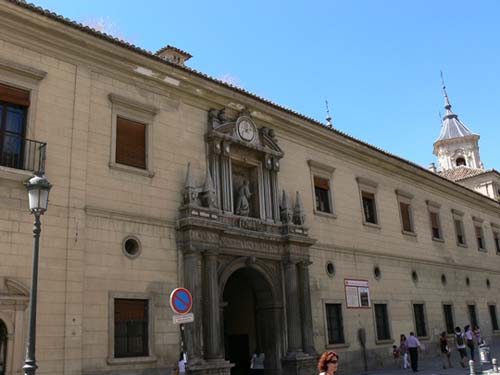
<point>457,146</point>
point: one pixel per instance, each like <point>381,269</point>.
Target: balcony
<point>21,153</point>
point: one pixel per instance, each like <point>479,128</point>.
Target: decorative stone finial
<point>208,195</point>
<point>190,194</point>
<point>286,213</point>
<point>299,216</point>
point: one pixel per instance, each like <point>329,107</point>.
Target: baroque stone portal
<point>246,251</point>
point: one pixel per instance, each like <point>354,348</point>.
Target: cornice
<point>133,104</point>
<point>125,216</point>
<point>22,70</point>
<point>411,259</point>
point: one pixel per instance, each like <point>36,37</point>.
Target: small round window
<point>131,247</point>
<point>330,269</point>
<point>414,276</point>
<point>377,273</point>
<point>443,279</point>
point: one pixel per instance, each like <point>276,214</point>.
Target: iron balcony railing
<point>22,153</point>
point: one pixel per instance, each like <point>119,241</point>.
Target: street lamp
<point>38,191</point>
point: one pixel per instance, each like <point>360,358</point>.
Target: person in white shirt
<point>460,345</point>
<point>413,345</point>
<point>470,341</point>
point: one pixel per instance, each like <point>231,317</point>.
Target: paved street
<point>433,366</point>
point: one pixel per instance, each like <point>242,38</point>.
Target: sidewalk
<point>433,366</point>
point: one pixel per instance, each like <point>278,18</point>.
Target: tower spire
<point>328,117</point>
<point>447,105</point>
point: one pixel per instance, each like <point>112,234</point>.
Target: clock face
<point>246,130</point>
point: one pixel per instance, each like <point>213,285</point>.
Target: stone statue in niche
<point>242,207</point>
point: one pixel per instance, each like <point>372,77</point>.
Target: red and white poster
<point>357,294</point>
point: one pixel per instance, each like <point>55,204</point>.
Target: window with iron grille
<point>419,315</point>
<point>472,315</point>
<point>322,194</point>
<point>14,105</point>
<point>131,328</point>
<point>334,323</point>
<point>382,322</point>
<point>448,318</point>
<point>130,143</point>
<point>369,208</point>
<point>493,316</point>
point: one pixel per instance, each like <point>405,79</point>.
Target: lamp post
<point>38,192</point>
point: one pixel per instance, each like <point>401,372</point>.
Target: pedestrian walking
<point>396,355</point>
<point>413,346</point>
<point>477,335</point>
<point>469,340</point>
<point>403,349</point>
<point>328,363</point>
<point>445,350</point>
<point>460,345</point>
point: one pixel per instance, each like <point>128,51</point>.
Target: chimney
<point>432,167</point>
<point>173,54</point>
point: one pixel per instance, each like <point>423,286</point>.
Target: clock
<point>246,130</point>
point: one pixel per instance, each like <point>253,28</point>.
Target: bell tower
<point>456,145</point>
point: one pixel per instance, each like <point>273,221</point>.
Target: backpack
<point>460,339</point>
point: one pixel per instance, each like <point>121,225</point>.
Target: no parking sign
<point>181,301</point>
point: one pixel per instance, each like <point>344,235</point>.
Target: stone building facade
<point>292,237</point>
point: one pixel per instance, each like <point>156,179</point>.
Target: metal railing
<point>22,153</point>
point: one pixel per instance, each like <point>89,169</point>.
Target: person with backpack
<point>460,345</point>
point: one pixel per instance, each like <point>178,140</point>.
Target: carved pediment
<point>242,130</point>
<point>15,287</point>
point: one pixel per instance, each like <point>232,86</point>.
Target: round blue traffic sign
<point>181,301</point>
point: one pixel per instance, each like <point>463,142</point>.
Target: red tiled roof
<point>460,173</point>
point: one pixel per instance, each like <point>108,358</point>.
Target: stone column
<point>275,196</point>
<point>193,331</point>
<point>213,347</point>
<point>226,177</point>
<point>215,170</point>
<point>268,203</point>
<point>305,308</point>
<point>292,310</point>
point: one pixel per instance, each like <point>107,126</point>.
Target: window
<point>334,323</point>
<point>367,192</point>
<point>382,322</point>
<point>479,236</point>
<point>369,209</point>
<point>459,229</point>
<point>448,318</point>
<point>495,229</point>
<point>14,104</point>
<point>472,314</point>
<point>131,328</point>
<point>3,348</point>
<point>132,136</point>
<point>322,194</point>
<point>130,143</point>
<point>460,161</point>
<point>493,316</point>
<point>405,211</point>
<point>435,221</point>
<point>419,316</point>
<point>321,177</point>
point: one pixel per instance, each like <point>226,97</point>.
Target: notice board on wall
<point>357,294</point>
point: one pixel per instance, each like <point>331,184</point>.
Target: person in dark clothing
<point>413,346</point>
<point>445,349</point>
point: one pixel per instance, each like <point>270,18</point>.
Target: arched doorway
<point>3,348</point>
<point>251,321</point>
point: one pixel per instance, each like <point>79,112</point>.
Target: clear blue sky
<point>377,62</point>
